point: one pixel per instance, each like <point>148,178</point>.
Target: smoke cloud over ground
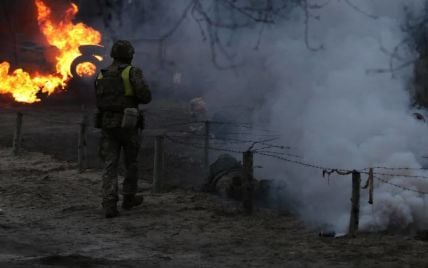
<point>326,104</point>
<point>339,115</point>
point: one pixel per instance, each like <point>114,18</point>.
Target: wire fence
<point>235,138</point>
<point>282,155</point>
<point>238,138</point>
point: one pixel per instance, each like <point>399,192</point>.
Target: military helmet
<point>122,49</point>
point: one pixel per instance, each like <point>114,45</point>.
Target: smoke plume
<point>312,80</point>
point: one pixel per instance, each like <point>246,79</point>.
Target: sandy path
<point>52,218</point>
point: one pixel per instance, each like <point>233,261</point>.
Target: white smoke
<point>339,115</point>
<point>326,104</point>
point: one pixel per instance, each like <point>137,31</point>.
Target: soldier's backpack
<point>114,91</point>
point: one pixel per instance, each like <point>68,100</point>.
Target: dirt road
<point>51,217</point>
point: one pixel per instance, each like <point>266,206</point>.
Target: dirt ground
<point>51,215</point>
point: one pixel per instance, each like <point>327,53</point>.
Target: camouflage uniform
<point>112,99</point>
<point>112,141</point>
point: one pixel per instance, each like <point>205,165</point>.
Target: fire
<point>67,37</point>
<point>86,69</point>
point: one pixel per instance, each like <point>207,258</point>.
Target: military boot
<point>131,200</point>
<point>110,209</point>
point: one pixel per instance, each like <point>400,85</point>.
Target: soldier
<point>198,109</point>
<point>120,88</point>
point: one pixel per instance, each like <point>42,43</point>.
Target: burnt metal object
<point>89,54</point>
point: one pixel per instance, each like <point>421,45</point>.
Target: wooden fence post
<point>17,138</point>
<point>206,146</point>
<point>247,185</point>
<point>355,208</point>
<point>82,144</point>
<point>158,162</point>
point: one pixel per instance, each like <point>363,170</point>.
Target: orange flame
<point>67,37</point>
<point>86,69</point>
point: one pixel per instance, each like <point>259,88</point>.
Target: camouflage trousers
<point>112,141</point>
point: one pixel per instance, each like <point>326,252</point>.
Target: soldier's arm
<point>141,89</point>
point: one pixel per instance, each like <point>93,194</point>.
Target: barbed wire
<point>270,146</point>
<point>397,175</point>
<point>395,168</point>
<point>243,125</point>
<point>201,146</point>
<point>329,171</point>
<point>48,120</point>
<point>262,150</point>
<point>301,163</point>
<point>337,170</point>
<point>237,141</point>
<point>255,143</point>
<point>399,186</point>
<point>280,153</point>
<point>212,138</point>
